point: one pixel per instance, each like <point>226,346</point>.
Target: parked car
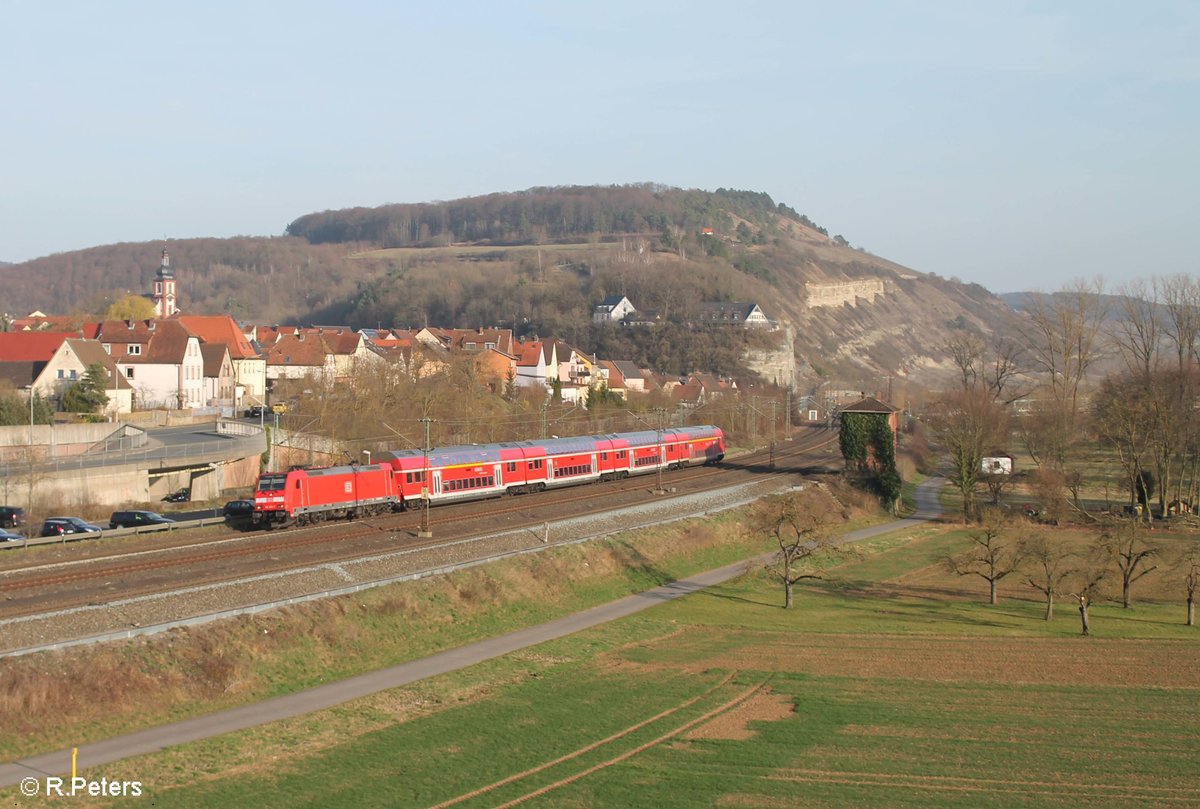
<point>58,526</point>
<point>238,508</point>
<point>9,536</point>
<point>255,411</point>
<point>11,516</point>
<point>179,496</point>
<point>279,407</point>
<point>133,519</point>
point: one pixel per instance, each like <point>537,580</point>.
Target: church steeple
<point>164,288</point>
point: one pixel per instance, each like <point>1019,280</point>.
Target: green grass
<point>293,649</point>
<point>897,700</point>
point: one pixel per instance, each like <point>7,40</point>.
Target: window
<point>107,348</point>
<point>129,373</point>
<point>74,374</point>
<point>134,349</point>
<point>604,456</point>
<point>61,373</point>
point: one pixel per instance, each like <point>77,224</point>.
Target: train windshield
<point>271,483</point>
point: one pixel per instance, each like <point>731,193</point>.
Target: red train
<point>400,479</point>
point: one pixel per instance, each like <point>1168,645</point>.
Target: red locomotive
<point>446,474</point>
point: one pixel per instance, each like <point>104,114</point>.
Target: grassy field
<point>889,684</point>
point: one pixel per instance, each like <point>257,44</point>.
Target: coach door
<point>437,484</point>
<point>496,474</point>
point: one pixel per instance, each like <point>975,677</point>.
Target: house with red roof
<point>406,354</point>
<point>325,353</point>
<point>537,363</point>
<point>160,359</point>
<point>70,363</point>
<point>50,363</point>
<point>24,355</point>
<point>249,366</point>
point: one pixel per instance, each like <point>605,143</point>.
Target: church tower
<point>164,289</point>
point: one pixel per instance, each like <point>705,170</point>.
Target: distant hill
<point>538,261</point>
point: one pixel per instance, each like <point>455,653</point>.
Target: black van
<point>132,519</point>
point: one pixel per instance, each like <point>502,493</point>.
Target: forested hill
<point>539,261</point>
<point>563,214</point>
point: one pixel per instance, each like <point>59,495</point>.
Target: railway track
<point>45,588</point>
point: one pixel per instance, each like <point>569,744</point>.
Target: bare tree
<point>1088,583</point>
<point>1124,547</point>
<point>966,351</point>
<point>996,483</point>
<point>1138,332</point>
<point>1189,564</point>
<point>995,367</point>
<point>1064,338</point>
<point>1048,486</point>
<point>800,523</point>
<point>1047,567</point>
<point>1180,296</point>
<point>968,423</point>
<point>1124,413</point>
<point>992,557</point>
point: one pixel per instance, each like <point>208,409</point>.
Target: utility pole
<point>753,421</point>
<point>658,489</point>
<point>773,403</point>
<point>545,404</point>
<point>426,484</point>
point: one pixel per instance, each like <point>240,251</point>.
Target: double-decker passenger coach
<point>401,478</point>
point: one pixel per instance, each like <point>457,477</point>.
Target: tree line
<point>1039,389</point>
<point>540,215</point>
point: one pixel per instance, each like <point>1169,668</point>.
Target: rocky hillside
<point>538,261</point>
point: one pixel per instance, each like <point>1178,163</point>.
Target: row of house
<point>198,361</point>
<point>619,309</point>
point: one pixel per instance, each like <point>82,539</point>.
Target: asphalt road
<point>326,696</point>
<point>165,447</point>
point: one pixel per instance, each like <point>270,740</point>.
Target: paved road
<point>165,447</point>
<point>327,696</point>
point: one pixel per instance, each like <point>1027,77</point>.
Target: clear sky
<point>1014,144</point>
